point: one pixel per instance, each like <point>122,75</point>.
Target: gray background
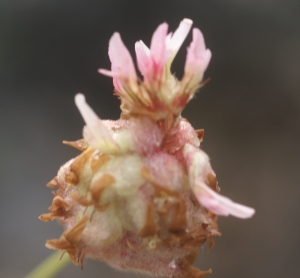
<point>50,50</point>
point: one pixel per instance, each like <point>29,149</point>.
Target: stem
<point>50,266</point>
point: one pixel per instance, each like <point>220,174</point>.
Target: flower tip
<point>85,110</point>
<point>115,36</point>
<point>187,21</point>
<point>248,212</point>
<point>79,98</point>
<point>221,205</point>
<point>238,210</point>
<point>106,72</point>
<point>179,36</point>
<point>243,213</point>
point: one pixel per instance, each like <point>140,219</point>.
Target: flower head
<point>142,195</point>
<point>159,94</point>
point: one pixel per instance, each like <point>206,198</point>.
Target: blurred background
<point>250,110</point>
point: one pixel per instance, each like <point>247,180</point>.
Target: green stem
<point>50,266</point>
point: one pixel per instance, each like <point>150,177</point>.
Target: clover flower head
<point>142,195</point>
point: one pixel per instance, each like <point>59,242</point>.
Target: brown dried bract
<point>187,270</point>
<point>77,166</point>
<point>84,201</point>
<point>69,241</point>
<point>94,193</point>
<point>200,134</point>
<point>196,237</point>
<point>98,186</point>
<point>71,178</point>
<point>150,228</point>
<point>59,206</point>
<point>53,183</point>
<point>179,221</point>
<point>188,239</point>
<point>80,145</point>
<point>212,230</point>
<point>212,182</point>
<point>46,217</point>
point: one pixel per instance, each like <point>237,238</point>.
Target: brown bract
<point>80,145</point>
<point>70,241</point>
<point>59,208</point>
<point>77,166</point>
<point>96,189</point>
<point>200,134</point>
<point>187,270</point>
<point>53,183</point>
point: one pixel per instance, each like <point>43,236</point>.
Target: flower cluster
<point>159,94</point>
<point>142,195</point>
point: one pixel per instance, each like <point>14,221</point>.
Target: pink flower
<point>197,59</point>
<point>95,132</point>
<point>160,93</point>
<point>122,67</point>
<point>142,195</point>
<point>199,169</point>
<point>163,48</point>
<point>151,61</point>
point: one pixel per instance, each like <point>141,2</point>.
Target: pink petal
<point>120,57</point>
<point>219,204</point>
<point>122,66</point>
<point>95,132</point>
<point>163,49</point>
<point>152,61</point>
<point>158,46</point>
<point>179,36</point>
<point>198,56</point>
<point>143,57</point>
<point>198,168</point>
